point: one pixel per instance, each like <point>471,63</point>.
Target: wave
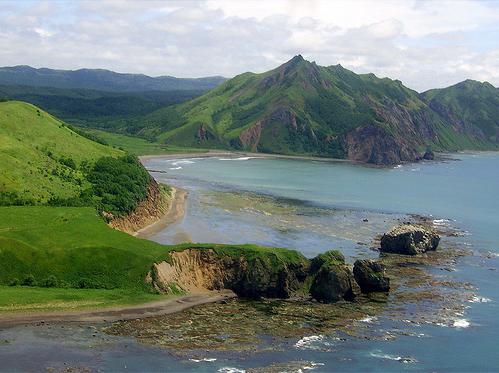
<point>405,360</point>
<point>313,342</point>
<point>182,161</point>
<point>231,370</point>
<point>237,159</point>
<point>478,299</point>
<point>368,319</point>
<point>176,168</point>
<point>461,323</point>
<point>205,359</point>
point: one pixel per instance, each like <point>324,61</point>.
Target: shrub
<point>14,282</point>
<point>49,282</point>
<point>29,280</point>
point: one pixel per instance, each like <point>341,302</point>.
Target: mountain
<point>101,80</point>
<point>468,107</point>
<point>303,108</point>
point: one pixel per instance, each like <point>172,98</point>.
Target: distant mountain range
<point>303,108</point>
<point>102,80</point>
<point>297,108</point>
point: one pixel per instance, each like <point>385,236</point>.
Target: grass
<point>34,151</point>
<point>25,299</point>
<point>139,146</point>
<point>96,265</point>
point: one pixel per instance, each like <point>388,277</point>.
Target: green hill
<point>41,157</point>
<point>303,108</point>
<point>469,106</point>
<point>56,251</point>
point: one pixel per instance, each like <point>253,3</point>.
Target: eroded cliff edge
<point>253,272</point>
<point>150,210</point>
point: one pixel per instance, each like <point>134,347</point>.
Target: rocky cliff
<point>255,272</point>
<point>150,210</point>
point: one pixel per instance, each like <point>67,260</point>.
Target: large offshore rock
<point>409,239</point>
<point>370,276</point>
<point>333,280</point>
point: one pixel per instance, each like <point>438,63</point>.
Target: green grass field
<point>34,151</point>
<point>139,146</point>
<point>92,265</point>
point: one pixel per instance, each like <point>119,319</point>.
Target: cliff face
<point>154,207</point>
<point>254,274</point>
<point>197,270</point>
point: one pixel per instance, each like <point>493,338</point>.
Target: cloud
<point>425,44</point>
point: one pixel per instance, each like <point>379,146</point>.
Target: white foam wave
<point>368,319</point>
<point>205,359</point>
<point>406,360</point>
<point>182,161</point>
<point>441,221</point>
<point>312,365</point>
<point>461,323</point>
<point>236,159</point>
<point>231,370</point>
<point>478,299</point>
<point>176,168</point>
<point>309,341</point>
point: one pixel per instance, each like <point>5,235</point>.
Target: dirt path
<point>158,308</point>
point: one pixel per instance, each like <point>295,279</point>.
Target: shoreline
<point>144,310</point>
<point>228,153</point>
<point>175,212</point>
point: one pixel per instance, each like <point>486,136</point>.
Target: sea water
<point>312,207</point>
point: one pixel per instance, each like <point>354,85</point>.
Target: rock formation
<point>254,272</point>
<point>370,276</point>
<point>409,239</point>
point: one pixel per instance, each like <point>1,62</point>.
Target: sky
<point>425,44</point>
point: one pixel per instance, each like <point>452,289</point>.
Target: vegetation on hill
<point>83,107</point>
<point>46,162</point>
<point>41,157</point>
<point>303,108</point>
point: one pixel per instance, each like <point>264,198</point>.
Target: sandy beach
<point>175,212</point>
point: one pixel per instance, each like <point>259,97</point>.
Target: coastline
<point>144,310</point>
<point>228,153</point>
<point>175,211</point>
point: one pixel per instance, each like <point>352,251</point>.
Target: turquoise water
<point>314,206</point>
<point>331,202</point>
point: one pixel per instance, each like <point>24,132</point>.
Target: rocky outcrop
<point>409,239</point>
<point>250,276</point>
<point>429,155</point>
<point>151,209</point>
<point>333,280</point>
<point>370,276</point>
<point>373,144</point>
<point>253,272</point>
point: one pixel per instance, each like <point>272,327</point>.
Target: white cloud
<point>423,43</point>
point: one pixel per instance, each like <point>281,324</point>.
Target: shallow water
<point>450,325</point>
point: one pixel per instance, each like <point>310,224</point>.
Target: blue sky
<point>426,44</point>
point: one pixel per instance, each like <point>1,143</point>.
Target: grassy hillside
<point>67,257</point>
<point>41,157</point>
<point>139,146</point>
<point>303,108</point>
<point>469,105</point>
